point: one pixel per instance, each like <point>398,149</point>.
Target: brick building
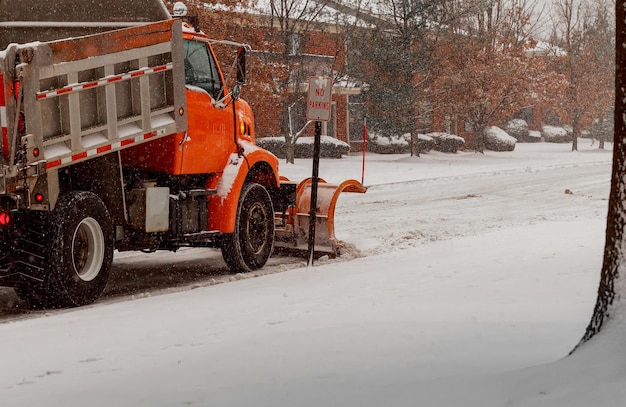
<point>317,51</point>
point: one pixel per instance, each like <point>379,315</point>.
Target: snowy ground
<point>471,278</point>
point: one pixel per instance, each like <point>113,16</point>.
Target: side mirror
<point>241,65</point>
<point>236,91</point>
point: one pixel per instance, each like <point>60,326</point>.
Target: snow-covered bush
<point>535,135</point>
<point>398,145</point>
<point>497,139</point>
<point>446,143</point>
<point>518,128</point>
<point>425,143</point>
<point>329,147</point>
<point>600,130</point>
<point>555,134</point>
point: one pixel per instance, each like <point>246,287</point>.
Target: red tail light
<point>16,89</point>
<point>5,218</point>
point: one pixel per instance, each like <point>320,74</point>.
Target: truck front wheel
<point>249,247</point>
<point>79,253</point>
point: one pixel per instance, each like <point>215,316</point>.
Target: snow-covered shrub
<point>600,130</point>
<point>497,139</point>
<point>387,145</point>
<point>555,134</point>
<point>398,145</point>
<point>329,147</point>
<point>535,135</point>
<point>425,143</point>
<point>518,128</point>
<point>446,143</point>
<point>275,145</point>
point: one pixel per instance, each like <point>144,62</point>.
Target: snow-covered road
<point>463,265</point>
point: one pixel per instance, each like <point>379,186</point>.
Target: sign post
<point>318,109</point>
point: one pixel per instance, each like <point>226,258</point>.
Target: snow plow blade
<point>292,226</point>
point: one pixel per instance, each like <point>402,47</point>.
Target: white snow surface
<point>469,279</point>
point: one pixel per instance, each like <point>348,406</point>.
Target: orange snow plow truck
<point>131,139</point>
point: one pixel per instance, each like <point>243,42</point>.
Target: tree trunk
<point>480,139</point>
<point>612,289</point>
<point>575,131</point>
<point>290,152</point>
<point>414,145</point>
<point>601,134</point>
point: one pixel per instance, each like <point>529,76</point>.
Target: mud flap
<point>292,227</point>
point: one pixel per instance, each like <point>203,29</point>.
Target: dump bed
<point>70,100</point>
<point>24,21</point>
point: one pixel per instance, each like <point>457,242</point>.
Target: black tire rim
<point>257,231</point>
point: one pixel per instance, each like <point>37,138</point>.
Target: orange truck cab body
<point>219,137</point>
<point>133,139</point>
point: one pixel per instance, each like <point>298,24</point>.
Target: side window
<point>200,68</point>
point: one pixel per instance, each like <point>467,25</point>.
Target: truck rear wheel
<point>249,247</point>
<point>79,255</point>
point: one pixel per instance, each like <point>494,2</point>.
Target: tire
<point>79,256</point>
<point>36,295</point>
<point>250,245</point>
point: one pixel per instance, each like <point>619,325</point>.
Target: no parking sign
<point>319,99</point>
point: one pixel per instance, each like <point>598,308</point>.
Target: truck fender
<point>257,166</point>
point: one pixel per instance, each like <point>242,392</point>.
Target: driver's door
<point>210,137</point>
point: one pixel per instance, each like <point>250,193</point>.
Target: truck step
<point>198,237</point>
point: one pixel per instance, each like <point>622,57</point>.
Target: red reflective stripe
<point>103,149</point>
<point>64,90</point>
<point>92,84</point>
<point>55,163</point>
<point>79,156</point>
<point>98,150</point>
